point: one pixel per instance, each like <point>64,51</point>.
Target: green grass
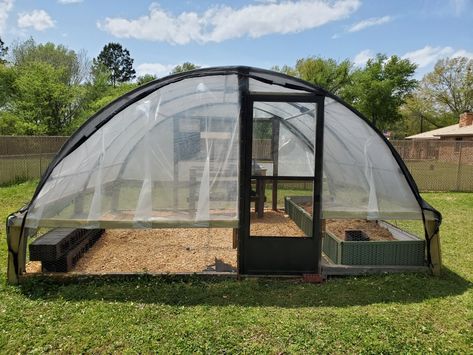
<point>406,313</point>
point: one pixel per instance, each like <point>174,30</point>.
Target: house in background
<point>450,144</point>
<point>463,130</point>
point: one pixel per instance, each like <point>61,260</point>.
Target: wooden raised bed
<point>406,249</point>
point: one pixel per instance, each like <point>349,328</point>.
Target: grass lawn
<point>406,313</point>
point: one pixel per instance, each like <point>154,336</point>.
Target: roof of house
<point>450,131</point>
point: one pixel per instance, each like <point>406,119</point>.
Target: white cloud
<point>5,8</point>
<point>221,23</point>
<point>429,55</point>
<point>423,57</point>
<point>157,69</point>
<point>38,19</point>
<point>69,1</point>
<point>374,21</point>
<point>362,57</point>
<point>462,53</point>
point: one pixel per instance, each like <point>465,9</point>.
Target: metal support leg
<point>434,245</point>
<point>16,241</point>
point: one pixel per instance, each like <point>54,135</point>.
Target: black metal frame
<point>281,255</point>
<point>318,181</point>
<point>244,176</point>
<point>93,124</point>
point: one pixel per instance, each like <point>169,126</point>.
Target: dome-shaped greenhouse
<point>197,149</point>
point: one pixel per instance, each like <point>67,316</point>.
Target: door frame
<point>310,248</point>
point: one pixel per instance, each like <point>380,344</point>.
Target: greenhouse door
<point>280,225</point>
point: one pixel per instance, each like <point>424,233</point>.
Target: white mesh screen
<point>295,151</point>
<point>362,177</point>
<point>171,158</point>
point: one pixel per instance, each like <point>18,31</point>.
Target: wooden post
<point>260,195</point>
<point>235,238</point>
<point>434,245</point>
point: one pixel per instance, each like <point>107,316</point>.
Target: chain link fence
<point>439,165</point>
<point>435,165</point>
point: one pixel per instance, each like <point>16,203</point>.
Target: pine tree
<point>118,61</point>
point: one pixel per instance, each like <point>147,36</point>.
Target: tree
<point>286,69</point>
<point>143,79</point>
<point>98,83</point>
<point>380,88</point>
<point>7,78</point>
<point>441,97</point>
<point>42,100</point>
<point>46,91</point>
<point>3,51</point>
<point>326,73</point>
<point>118,61</point>
<point>449,87</point>
<point>420,114</point>
<point>187,66</point>
<point>75,66</point>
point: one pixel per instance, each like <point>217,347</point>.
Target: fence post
<point>40,158</point>
<point>459,165</point>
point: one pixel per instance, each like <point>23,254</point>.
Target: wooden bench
<point>224,177</point>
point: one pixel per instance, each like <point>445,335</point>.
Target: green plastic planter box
<point>389,252</point>
<point>298,214</point>
<point>409,250</point>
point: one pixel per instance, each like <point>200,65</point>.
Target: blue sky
<point>261,33</point>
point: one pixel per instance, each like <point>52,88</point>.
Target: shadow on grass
<point>190,291</point>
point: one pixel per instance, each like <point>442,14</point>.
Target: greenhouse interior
<point>226,170</point>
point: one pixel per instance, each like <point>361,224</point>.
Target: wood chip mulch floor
<point>189,249</point>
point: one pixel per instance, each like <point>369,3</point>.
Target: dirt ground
<point>371,228</point>
<point>161,250</point>
<point>192,249</point>
<point>339,226</point>
<point>275,224</point>
<point>176,250</point>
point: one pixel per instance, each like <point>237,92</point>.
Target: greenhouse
<point>291,179</point>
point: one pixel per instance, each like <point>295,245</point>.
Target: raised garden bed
<point>384,244</point>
